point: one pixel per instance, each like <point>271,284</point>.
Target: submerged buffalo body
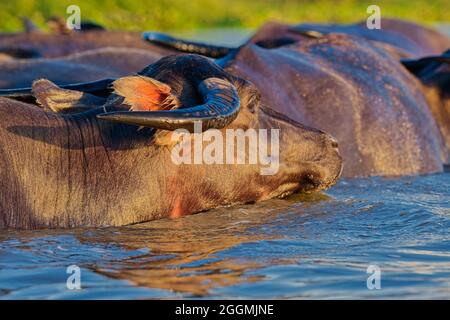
<point>96,168</point>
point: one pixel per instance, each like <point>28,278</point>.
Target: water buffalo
<point>400,38</point>
<point>90,65</point>
<point>354,90</point>
<point>58,45</point>
<point>96,169</point>
<point>55,45</point>
<point>74,57</point>
<point>359,92</point>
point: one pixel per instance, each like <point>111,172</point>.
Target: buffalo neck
<point>74,170</point>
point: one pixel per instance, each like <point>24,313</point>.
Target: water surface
<point>315,246</point>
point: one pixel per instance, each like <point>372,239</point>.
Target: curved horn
<point>167,41</point>
<point>221,106</point>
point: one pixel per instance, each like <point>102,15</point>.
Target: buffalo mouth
<point>313,179</point>
<point>323,175</point>
<point>310,181</point>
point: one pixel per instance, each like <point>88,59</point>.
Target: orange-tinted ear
<point>145,94</point>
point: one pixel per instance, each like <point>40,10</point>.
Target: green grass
<point>193,14</point>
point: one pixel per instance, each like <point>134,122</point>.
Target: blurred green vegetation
<point>193,14</point>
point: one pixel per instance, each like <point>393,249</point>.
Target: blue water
<point>315,246</point>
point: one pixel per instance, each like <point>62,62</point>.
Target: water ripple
<point>306,246</point>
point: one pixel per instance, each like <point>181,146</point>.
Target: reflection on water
<point>184,251</point>
<point>315,246</point>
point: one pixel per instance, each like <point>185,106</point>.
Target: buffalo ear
<point>427,65</point>
<point>53,98</point>
<point>145,94</point>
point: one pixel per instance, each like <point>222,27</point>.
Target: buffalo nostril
<point>333,142</point>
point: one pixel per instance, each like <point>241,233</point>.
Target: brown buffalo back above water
<point>57,45</point>
<point>428,40</point>
<point>354,90</point>
<point>80,67</point>
<point>402,38</point>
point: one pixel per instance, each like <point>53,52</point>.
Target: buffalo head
<point>189,89</point>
